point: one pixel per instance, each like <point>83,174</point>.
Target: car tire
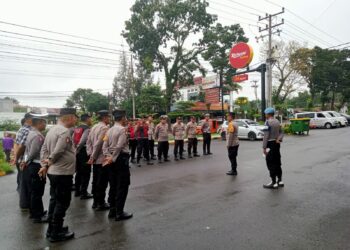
<point>251,136</point>
<point>328,125</point>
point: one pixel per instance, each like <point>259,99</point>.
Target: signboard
<point>241,55</point>
<point>240,78</point>
<point>212,95</point>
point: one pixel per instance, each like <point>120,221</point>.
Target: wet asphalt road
<point>192,204</point>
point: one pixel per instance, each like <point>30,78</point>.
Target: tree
<point>218,41</point>
<point>87,101</point>
<point>122,83</point>
<point>159,25</point>
<point>286,78</point>
<point>14,100</point>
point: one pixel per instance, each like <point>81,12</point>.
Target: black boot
<point>112,213</point>
<point>232,172</point>
<point>86,196</point>
<point>59,234</point>
<point>123,216</point>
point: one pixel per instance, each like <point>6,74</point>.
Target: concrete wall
<point>6,105</point>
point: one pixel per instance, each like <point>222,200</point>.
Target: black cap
<point>102,113</point>
<point>85,116</point>
<point>232,114</point>
<point>68,111</point>
<point>28,116</point>
<point>119,113</point>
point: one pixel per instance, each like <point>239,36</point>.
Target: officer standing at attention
<point>162,136</point>
<point>191,134</point>
<point>116,151</point>
<point>58,161</point>
<point>178,133</point>
<point>206,135</point>
<point>33,185</point>
<point>83,170</point>
<point>19,148</point>
<point>273,136</point>
<point>141,132</point>
<point>100,173</point>
<point>151,129</point>
<point>232,143</point>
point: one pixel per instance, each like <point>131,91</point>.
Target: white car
<point>342,120</point>
<point>247,129</point>
<point>319,119</point>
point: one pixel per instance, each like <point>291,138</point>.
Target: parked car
<point>319,119</point>
<point>342,120</point>
<point>247,129</point>
<point>347,117</point>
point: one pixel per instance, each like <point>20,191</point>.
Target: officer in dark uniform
<point>33,185</point>
<point>83,170</point>
<point>116,151</point>
<point>273,136</point>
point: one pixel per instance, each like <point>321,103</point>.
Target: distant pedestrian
<point>206,130</point>
<point>58,160</point>
<point>232,143</point>
<point>191,134</point>
<point>151,130</point>
<point>178,133</point>
<point>83,169</point>
<point>132,140</point>
<point>116,152</point>
<point>162,136</point>
<point>273,136</point>
<point>7,144</point>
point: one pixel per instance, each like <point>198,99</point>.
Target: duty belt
<point>36,161</point>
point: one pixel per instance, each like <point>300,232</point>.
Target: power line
<point>59,33</point>
<point>228,6</point>
<point>51,76</point>
<point>325,10</point>
<point>246,18</point>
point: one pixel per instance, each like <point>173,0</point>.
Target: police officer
<point>178,133</point>
<point>58,160</point>
<point>151,129</point>
<point>162,136</point>
<point>83,170</point>
<point>100,173</point>
<point>191,134</point>
<point>116,151</point>
<point>232,143</point>
<point>273,136</point>
<point>206,135</point>
<point>33,186</point>
<point>141,133</point>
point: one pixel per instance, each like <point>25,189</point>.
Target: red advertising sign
<point>241,55</point>
<point>240,78</point>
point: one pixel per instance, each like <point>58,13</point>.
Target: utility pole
<point>269,27</point>
<point>255,87</point>
<point>132,88</point>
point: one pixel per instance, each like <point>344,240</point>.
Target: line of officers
<point>67,150</point>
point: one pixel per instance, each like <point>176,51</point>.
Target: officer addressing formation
<point>66,151</point>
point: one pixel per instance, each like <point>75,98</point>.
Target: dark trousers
<point>273,160</point>
<point>132,147</point>
<point>25,188</point>
<point>60,197</point>
<point>142,147</point>
<point>19,177</point>
<point>119,177</point>
<point>206,142</point>
<point>163,149</point>
<point>192,143</point>
<point>8,154</point>
<point>232,155</point>
<point>179,147</point>
<point>36,191</point>
<point>151,147</point>
<point>101,183</point>
<point>83,172</point>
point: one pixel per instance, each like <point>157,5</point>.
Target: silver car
<point>247,129</point>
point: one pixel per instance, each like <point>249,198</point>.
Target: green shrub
<point>287,129</point>
<point>5,167</point>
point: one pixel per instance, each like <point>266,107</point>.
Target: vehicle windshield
<point>252,123</point>
<point>331,114</point>
<point>336,114</point>
<point>327,115</point>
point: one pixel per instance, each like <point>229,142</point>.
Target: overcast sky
<point>325,24</point>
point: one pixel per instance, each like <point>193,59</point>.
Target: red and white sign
<point>240,78</point>
<point>241,55</point>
